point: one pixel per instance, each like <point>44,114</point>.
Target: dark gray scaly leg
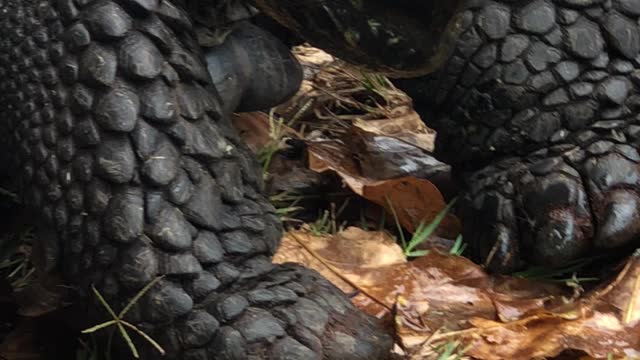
<point>121,148</point>
<point>539,100</point>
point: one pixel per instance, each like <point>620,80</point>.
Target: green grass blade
<point>145,336</point>
<point>128,340</point>
<point>417,253</point>
<point>99,326</point>
<point>104,303</point>
<point>403,241</point>
<point>458,247</point>
<point>420,236</point>
<point>139,295</point>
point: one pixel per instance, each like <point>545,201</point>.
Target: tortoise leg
<point>554,207</point>
<point>536,110</point>
<point>124,151</point>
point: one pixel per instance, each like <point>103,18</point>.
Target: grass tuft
<point>286,205</point>
<point>423,232</point>
<point>277,136</point>
<point>375,83</point>
<point>322,226</point>
<point>458,247</point>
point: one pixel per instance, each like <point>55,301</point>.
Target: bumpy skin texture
<point>119,144</point>
<point>540,101</point>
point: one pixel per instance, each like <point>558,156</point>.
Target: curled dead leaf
<point>415,200</point>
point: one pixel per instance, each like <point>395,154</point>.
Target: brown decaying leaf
<point>339,92</point>
<point>414,200</point>
<point>505,318</point>
<point>383,157</point>
<point>336,255</point>
<point>407,127</point>
<point>440,298</point>
<point>334,155</point>
<point>312,57</point>
<point>358,157</point>
<point>498,322</point>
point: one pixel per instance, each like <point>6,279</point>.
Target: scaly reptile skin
<point>536,110</point>
<point>119,142</point>
<point>537,106</point>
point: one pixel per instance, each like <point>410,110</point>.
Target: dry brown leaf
<point>334,155</point>
<point>415,200</point>
<point>363,158</point>
<point>440,298</point>
<point>376,146</point>
<point>352,248</point>
<point>312,58</point>
<point>334,256</point>
<point>407,127</point>
<point>338,90</point>
<point>532,322</point>
<point>383,157</point>
<point>292,249</point>
<point>441,290</point>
